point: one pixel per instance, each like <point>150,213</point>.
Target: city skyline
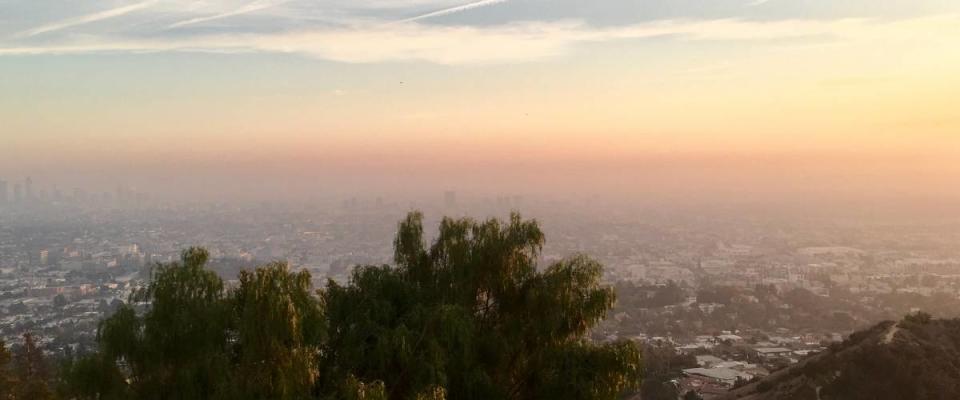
<point>497,199</point>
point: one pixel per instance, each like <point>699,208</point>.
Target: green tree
<point>60,301</point>
<point>692,395</point>
<point>33,374</point>
<point>353,389</point>
<point>474,316</point>
<point>177,349</point>
<point>197,341</point>
<point>6,375</point>
<point>92,377</point>
<point>279,328</point>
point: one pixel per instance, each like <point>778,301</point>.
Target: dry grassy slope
<point>790,382</point>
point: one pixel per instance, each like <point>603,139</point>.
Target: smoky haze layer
<point>828,181</point>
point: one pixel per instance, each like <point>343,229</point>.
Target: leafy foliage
<point>176,349</point>
<point>470,317</point>
<point>279,325</point>
<point>663,364</point>
<point>93,376</point>
<point>6,374</point>
<point>472,314</point>
<point>33,374</point>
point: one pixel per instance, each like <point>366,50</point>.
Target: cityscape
<point>479,200</point>
<point>741,294</point>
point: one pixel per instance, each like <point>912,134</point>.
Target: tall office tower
<point>3,192</point>
<point>450,198</point>
<point>79,195</point>
<point>17,193</point>
<point>123,193</point>
<point>28,185</point>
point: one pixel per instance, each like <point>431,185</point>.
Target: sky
<point>689,98</point>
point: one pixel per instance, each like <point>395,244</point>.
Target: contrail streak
<point>86,19</point>
<point>454,10</point>
<point>255,6</point>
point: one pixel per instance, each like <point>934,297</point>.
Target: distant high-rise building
<point>3,192</point>
<point>44,257</point>
<point>450,198</point>
<point>28,186</point>
<point>121,193</point>
<point>17,193</point>
<point>79,195</point>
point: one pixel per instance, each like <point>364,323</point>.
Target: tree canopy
<point>6,374</point>
<point>471,316</point>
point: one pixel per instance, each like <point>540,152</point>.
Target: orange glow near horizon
<point>746,99</point>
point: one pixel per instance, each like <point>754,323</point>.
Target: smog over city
<point>493,199</point>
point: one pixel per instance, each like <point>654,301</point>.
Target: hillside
<point>915,358</point>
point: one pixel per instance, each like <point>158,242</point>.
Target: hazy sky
<point>813,96</point>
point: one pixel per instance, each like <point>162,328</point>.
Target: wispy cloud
<point>506,43</point>
<point>454,10</point>
<point>86,19</point>
<point>246,9</point>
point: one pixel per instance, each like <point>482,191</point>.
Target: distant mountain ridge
<point>917,358</point>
